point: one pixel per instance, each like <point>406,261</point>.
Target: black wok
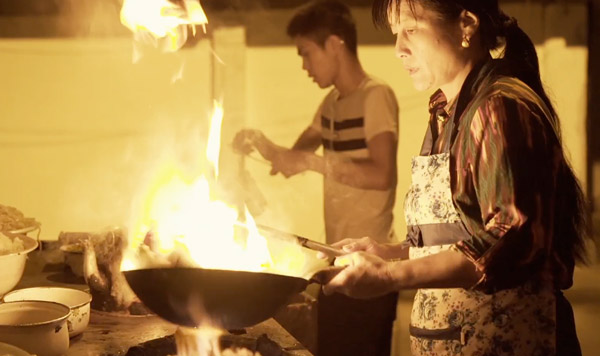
<point>189,296</point>
<point>230,299</point>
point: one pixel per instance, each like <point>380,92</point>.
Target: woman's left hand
<point>366,244</point>
<point>364,276</point>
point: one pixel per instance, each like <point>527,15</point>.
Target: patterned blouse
<point>506,165</point>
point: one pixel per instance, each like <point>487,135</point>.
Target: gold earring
<point>466,42</point>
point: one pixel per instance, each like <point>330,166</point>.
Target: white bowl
<point>25,230</point>
<point>39,328</point>
<point>77,300</point>
<point>12,265</point>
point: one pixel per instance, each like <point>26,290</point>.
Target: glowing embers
<point>206,342</point>
<point>213,342</point>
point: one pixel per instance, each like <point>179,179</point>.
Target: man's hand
<point>243,142</point>
<point>247,140</point>
<point>364,276</point>
<point>289,162</point>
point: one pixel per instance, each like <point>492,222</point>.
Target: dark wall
<point>594,91</point>
<point>38,7</point>
<point>265,20</point>
<point>593,187</point>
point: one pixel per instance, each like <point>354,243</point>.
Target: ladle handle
<point>310,244</point>
<point>321,247</point>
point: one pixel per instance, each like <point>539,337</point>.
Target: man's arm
<point>376,172</point>
<point>309,140</point>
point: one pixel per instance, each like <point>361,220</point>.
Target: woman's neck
<point>452,89</point>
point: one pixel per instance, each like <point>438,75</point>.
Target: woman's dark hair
<point>320,19</point>
<point>519,56</point>
<point>519,60</point>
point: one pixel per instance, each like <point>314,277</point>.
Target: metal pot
<point>77,300</point>
<point>35,326</point>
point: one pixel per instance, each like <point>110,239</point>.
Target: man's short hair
<point>322,18</point>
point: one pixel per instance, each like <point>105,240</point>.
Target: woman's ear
<point>469,24</point>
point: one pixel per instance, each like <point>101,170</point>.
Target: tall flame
<point>214,137</point>
<point>190,226</point>
<point>162,22</point>
<point>182,223</point>
<point>186,220</point>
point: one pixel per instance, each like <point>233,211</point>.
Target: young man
<point>357,124</point>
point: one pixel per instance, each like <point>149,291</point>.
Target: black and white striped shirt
<point>346,126</point>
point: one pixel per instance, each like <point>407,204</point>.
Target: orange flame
<point>182,223</point>
<point>214,137</point>
<point>162,23</point>
<point>193,228</point>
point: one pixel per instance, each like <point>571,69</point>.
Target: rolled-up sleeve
<point>504,165</point>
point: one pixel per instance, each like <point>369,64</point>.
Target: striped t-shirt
<point>346,125</point>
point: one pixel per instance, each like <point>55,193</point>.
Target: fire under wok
<point>191,296</point>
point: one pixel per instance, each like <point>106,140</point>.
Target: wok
<point>189,296</point>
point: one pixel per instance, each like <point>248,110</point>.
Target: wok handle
<point>326,274</point>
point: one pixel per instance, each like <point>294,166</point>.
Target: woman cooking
<point>496,218</point>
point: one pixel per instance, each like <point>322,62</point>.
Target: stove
<point>113,334</point>
<point>262,344</point>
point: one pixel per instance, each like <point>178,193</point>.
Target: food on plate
<point>8,245</point>
<point>12,219</point>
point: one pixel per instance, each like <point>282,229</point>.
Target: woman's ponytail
<point>520,57</point>
<point>572,225</point>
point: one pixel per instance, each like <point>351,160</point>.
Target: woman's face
<point>429,46</point>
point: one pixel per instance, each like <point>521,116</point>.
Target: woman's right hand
<point>362,275</point>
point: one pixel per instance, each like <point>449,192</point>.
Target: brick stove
<point>262,344</point>
<point>111,334</point>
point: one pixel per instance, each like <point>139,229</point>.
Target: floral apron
<point>458,321</point>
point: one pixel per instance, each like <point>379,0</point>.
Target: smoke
<point>93,129</point>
